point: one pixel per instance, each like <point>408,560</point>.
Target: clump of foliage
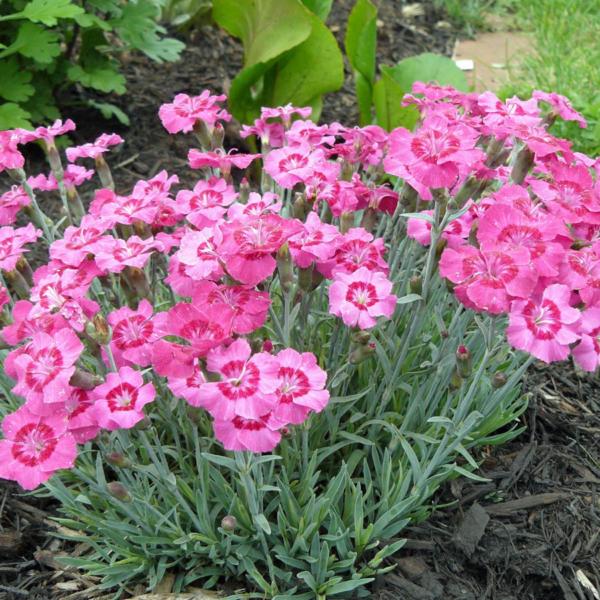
<point>47,45</point>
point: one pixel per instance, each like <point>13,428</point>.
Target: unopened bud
<point>218,136</point>
<point>17,283</point>
<point>117,490</point>
<point>116,459</point>
<point>455,381</point>
<point>305,278</point>
<point>98,330</point>
<point>346,222</point>
<point>84,379</point>
<point>194,414</point>
<point>360,353</point>
<point>498,380</point>
<point>144,424</point>
<point>300,207</point>
<point>369,219</point>
<point>136,278</point>
<point>285,268</point>
<point>202,134</point>
<point>229,523</point>
<point>463,361</point>
<point>439,248</point>
<point>361,337</point>
<point>416,284</point>
<point>244,190</point>
<point>267,346</point>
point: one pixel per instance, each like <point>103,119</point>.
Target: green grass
<point>566,59</point>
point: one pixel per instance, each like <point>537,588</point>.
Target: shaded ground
<point>532,532</point>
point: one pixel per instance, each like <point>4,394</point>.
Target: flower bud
<point>98,329</point>
<point>300,207</point>
<point>361,337</point>
<point>455,381</point>
<point>116,459</point>
<point>17,283</point>
<point>369,219</point>
<point>104,173</point>
<point>84,379</point>
<point>415,284</point>
<point>244,190</point>
<point>218,136</point>
<point>439,248</point>
<point>117,490</point>
<point>144,424</point>
<point>194,414</point>
<point>360,353</point>
<point>229,523</point>
<point>202,134</point>
<point>267,346</point>
<point>463,362</point>
<point>136,278</point>
<point>285,268</point>
<point>305,278</point>
<point>522,165</point>
<point>498,380</point>
<point>346,222</point>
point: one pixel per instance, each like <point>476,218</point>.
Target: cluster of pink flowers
<point>525,242</point>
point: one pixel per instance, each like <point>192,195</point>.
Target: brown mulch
<point>531,532</point>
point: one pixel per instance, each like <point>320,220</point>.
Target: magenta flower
<point>120,401</point>
<point>317,241</point>
<point>248,307</point>
<point>189,388</point>
<point>587,352</point>
<point>24,325</point>
<point>247,386</point>
<point>133,333</point>
<point>360,297</point>
<point>252,435</point>
<point>248,246</point>
<point>35,447</point>
<point>95,149</point>
<point>301,386</point>
<point>544,326</point>
<point>561,105</point>
<point>206,203</point>
<point>12,242</point>
<point>256,206</point>
<point>56,129</point>
<point>487,281</point>
<point>185,111</point>
<point>293,164</point>
<point>78,242</point>
<point>122,209</point>
<point>80,415</point>
<point>43,371</point>
<point>11,203</point>
<point>10,156</point>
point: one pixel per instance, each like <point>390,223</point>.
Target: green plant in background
<point>289,54</point>
<point>185,13</point>
<point>382,96</point>
<point>49,45</point>
<point>565,59</point>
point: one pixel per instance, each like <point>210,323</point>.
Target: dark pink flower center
<point>362,295</point>
<point>241,379</point>
<point>122,397</point>
<point>132,332</point>
<point>45,366</point>
<point>294,384</point>
<point>33,444</point>
<point>544,320</point>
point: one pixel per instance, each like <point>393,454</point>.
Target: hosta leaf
<point>103,79</point>
<point>49,11</point>
<point>428,68</point>
<point>387,96</point>
<point>37,43</point>
<point>15,81</point>
<point>267,28</point>
<point>321,8</point>
<point>12,115</point>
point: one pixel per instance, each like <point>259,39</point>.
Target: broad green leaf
<point>428,67</point>
<point>387,96</point>
<point>103,79</point>
<point>49,11</point>
<point>12,115</point>
<point>41,105</point>
<point>16,85</point>
<point>110,111</point>
<point>37,43</point>
<point>361,47</point>
<point>311,69</point>
<point>245,95</point>
<point>267,28</point>
<point>321,8</point>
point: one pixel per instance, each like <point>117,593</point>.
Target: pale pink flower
<point>44,371</point>
<point>178,279</point>
<point>360,297</point>
<point>301,386</point>
<point>247,386</point>
<point>200,254</point>
<point>122,209</point>
<point>219,159</point>
<point>78,242</point>
<point>95,149</point>
<point>252,435</point>
<point>113,255</point>
<point>544,326</point>
<point>11,203</point>
<point>356,249</point>
<point>120,401</point>
<point>80,415</point>
<point>317,241</point>
<point>257,205</point>
<point>248,307</point>
<point>207,202</point>
<point>285,113</point>
<point>487,280</point>
<point>57,128</point>
<point>11,244</point>
<point>35,447</point>
<point>189,388</point>
<point>10,156</point>
<point>185,111</point>
<point>24,325</point>
<point>173,360</point>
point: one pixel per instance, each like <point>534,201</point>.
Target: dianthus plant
<point>259,379</point>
